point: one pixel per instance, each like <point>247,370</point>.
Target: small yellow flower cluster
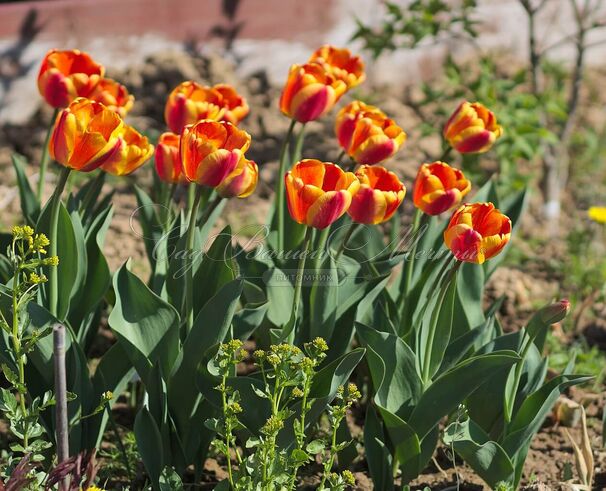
<point>36,243</point>
<point>36,279</point>
<point>273,425</point>
<point>22,232</point>
<point>233,349</point>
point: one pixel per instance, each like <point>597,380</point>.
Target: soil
<point>551,454</point>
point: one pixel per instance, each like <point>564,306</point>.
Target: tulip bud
<point>555,312</point>
<point>380,194</point>
<point>211,150</point>
<point>85,136</point>
<point>189,103</point>
<point>477,232</point>
<point>318,193</point>
<point>241,182</point>
<point>341,64</point>
<point>310,92</point>
<point>366,134</point>
<point>167,159</point>
<point>113,95</point>
<point>439,188</point>
<point>67,75</point>
<point>135,150</point>
<point>472,128</point>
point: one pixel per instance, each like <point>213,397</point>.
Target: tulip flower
<point>310,92</point>
<point>189,103</point>
<point>477,232</point>
<point>341,64</point>
<point>318,193</point>
<point>86,135</point>
<point>167,159</point>
<point>135,150</point>
<point>439,188</point>
<point>241,182</point>
<point>366,134</point>
<point>113,95</point>
<point>211,150</point>
<point>380,194</point>
<point>472,128</point>
<point>67,75</point>
<point>235,106</point>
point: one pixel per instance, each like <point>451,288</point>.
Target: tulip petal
<point>328,208</point>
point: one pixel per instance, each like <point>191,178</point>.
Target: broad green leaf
<point>280,294</point>
<point>323,301</point>
<point>72,256</point>
<point>451,388</point>
<point>377,454</point>
<point>392,368</point>
<point>149,444</point>
<point>487,458</point>
<point>217,269</point>
<point>147,326</point>
<point>98,277</point>
<point>210,327</point>
<point>247,320</point>
<point>30,206</point>
<point>406,443</point>
<point>529,417</point>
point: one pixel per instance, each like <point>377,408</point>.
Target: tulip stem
<point>296,299</point>
<point>44,159</point>
<point>340,157</point>
<point>445,154</point>
<point>433,323</point>
<point>296,156</point>
<point>280,189</point>
<point>189,249</point>
<point>352,228</point>
<point>167,204</point>
<point>54,223</point>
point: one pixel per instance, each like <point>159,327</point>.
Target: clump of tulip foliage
<point>322,291</point>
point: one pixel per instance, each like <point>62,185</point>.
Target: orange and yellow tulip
<point>113,95</point>
<point>341,64</point>
<point>310,92</point>
<point>167,160</point>
<point>439,188</point>
<point>191,102</point>
<point>235,106</point>
<point>477,232</point>
<point>241,182</point>
<point>67,75</point>
<point>135,150</point>
<point>380,194</point>
<point>86,135</point>
<point>367,134</point>
<point>211,150</point>
<point>472,128</point>
<point>318,193</point>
